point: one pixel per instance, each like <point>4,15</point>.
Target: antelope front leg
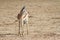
<point>19,28</point>
<point>26,22</point>
<point>22,28</point>
<point>27,28</point>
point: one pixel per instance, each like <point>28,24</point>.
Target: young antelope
<point>23,19</point>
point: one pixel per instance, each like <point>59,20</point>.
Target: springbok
<point>23,19</point>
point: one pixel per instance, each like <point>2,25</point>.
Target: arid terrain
<point>44,23</point>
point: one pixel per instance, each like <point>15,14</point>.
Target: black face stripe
<point>22,9</point>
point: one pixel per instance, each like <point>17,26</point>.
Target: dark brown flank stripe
<point>24,16</point>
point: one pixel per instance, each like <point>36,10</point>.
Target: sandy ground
<point>44,23</point>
